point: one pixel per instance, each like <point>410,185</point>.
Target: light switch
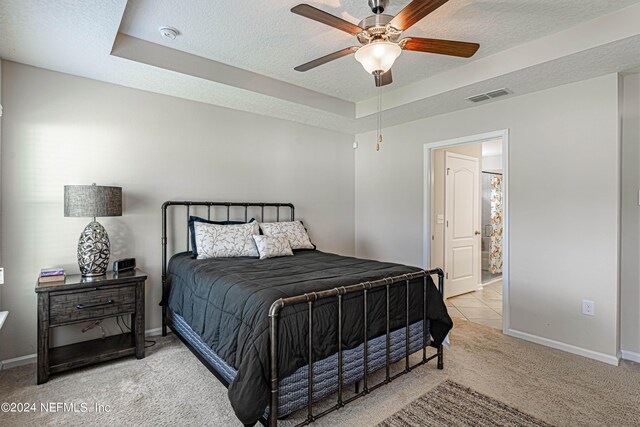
<point>1,276</point>
<point>440,219</point>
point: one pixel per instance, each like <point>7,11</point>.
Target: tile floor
<point>483,307</point>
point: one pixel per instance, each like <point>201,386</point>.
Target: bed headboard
<point>219,211</point>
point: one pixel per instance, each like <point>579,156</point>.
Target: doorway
<point>466,225</point>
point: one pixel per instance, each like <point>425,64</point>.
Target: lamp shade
<point>92,201</point>
<point>378,56</point>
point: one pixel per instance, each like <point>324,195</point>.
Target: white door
<point>462,224</point>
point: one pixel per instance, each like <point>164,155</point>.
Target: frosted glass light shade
<point>378,56</point>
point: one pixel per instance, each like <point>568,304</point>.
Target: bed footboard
<point>338,293</point>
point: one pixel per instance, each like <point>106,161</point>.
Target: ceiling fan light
<point>378,56</point>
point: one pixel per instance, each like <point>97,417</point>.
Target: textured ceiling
<point>77,38</point>
<point>265,37</point>
<point>607,59</point>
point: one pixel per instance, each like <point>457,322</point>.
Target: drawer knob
<point>83,306</point>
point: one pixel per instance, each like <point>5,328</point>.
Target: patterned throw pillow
<point>273,246</point>
<point>192,231</point>
<point>294,230</point>
<point>225,241</point>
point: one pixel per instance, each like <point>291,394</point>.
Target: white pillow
<point>293,230</point>
<point>272,246</point>
<point>225,241</point>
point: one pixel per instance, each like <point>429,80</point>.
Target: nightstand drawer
<point>68,307</point>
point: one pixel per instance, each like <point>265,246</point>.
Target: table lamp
<point>93,201</point>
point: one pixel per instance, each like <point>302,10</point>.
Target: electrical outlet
<point>588,307</point>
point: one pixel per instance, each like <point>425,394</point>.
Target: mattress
<point>294,388</point>
<point>225,302</point>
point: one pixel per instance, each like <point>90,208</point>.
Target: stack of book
<point>51,275</point>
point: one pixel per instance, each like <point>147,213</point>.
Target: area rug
<point>451,404</point>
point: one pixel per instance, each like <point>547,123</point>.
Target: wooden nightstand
<point>86,299</point>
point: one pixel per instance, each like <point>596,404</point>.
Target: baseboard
<point>490,282</point>
<point>611,360</point>
<point>630,355</point>
<point>153,332</point>
<point>32,358</point>
<point>18,361</point>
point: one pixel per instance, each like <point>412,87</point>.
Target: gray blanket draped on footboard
<point>226,301</point>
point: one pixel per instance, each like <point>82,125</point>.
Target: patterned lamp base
<point>93,250</point>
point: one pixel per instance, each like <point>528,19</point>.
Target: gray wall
<point>1,286</point>
<point>630,286</point>
<point>564,186</point>
<point>60,129</point>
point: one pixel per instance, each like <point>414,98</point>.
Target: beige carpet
<point>171,387</point>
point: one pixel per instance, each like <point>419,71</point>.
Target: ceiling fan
<point>380,37</point>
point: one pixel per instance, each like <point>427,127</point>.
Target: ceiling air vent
<point>478,98</point>
<point>489,95</point>
<point>498,93</point>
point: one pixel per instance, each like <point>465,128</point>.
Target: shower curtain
<point>495,256</point>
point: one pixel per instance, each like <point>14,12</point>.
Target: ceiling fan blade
<point>413,12</point>
<point>326,18</point>
<point>383,79</point>
<point>327,58</point>
<point>442,47</point>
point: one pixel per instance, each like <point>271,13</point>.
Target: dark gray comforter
<point>226,301</point>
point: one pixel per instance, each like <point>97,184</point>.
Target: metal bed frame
<point>310,299</point>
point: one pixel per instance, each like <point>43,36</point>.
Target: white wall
<point>563,205</point>
<point>59,129</point>
<point>630,279</point>
<point>492,163</point>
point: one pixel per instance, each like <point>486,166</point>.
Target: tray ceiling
<point>240,54</point>
<point>265,37</point>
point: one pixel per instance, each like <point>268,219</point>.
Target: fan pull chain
<point>379,122</point>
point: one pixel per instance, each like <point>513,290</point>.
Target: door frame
<point>428,203</point>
